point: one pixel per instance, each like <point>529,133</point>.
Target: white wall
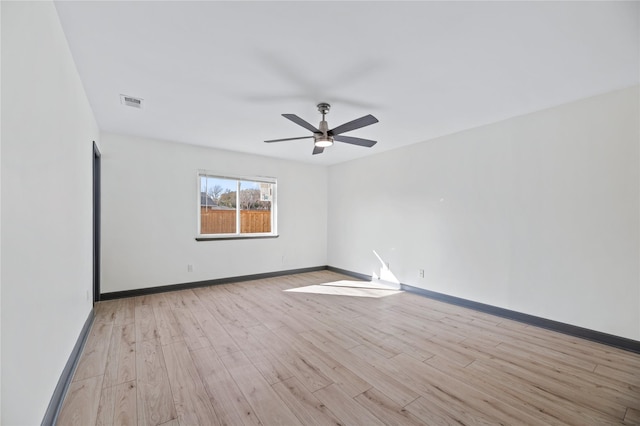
<point>149,211</point>
<point>0,225</point>
<point>47,133</point>
<point>537,214</point>
<point>638,9</point>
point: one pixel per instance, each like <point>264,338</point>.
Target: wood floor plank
<point>298,360</point>
<point>225,309</point>
<point>579,395</point>
<point>126,404</point>
<point>168,328</point>
<point>385,409</point>
<point>94,355</point>
<point>189,395</point>
<point>604,387</point>
<point>105,312</point>
<point>269,311</point>
<point>475,327</point>
<point>81,403</point>
<point>118,405</point>
<point>557,405</point>
<point>183,299</point>
<point>266,403</point>
<point>559,384</point>
<point>447,387</point>
<point>255,301</point>
<point>627,376</point>
<point>121,358</point>
<point>106,407</point>
<point>155,400</point>
<point>309,409</point>
<point>432,412</point>
<point>632,417</point>
<point>366,333</point>
<point>449,405</point>
<point>490,386</point>
<point>388,384</point>
<point>145,323</point>
<point>125,312</point>
<point>346,408</point>
<point>157,300</point>
<point>256,348</point>
<point>218,337</point>
<point>230,405</point>
<point>580,349</point>
<point>319,339</point>
<point>328,365</point>
<point>536,351</point>
<point>409,339</point>
<point>192,333</point>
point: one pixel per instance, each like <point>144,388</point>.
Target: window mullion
<point>238,207</point>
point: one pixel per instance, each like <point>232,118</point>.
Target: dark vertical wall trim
<point>96,223</point>
<point>55,405</point>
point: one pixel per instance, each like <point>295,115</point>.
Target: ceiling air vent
<point>131,101</point>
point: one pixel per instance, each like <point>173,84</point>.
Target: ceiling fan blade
<point>300,122</point>
<point>317,150</point>
<point>288,139</point>
<point>355,124</point>
<point>355,141</point>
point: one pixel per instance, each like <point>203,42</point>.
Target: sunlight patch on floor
<point>349,288</point>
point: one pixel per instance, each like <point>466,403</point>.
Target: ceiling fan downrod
<point>323,140</point>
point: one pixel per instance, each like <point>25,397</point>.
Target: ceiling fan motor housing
<point>323,139</point>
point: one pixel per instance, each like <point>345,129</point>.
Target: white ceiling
<point>219,74</point>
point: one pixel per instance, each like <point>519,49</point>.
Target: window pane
<point>217,205</point>
<point>255,207</point>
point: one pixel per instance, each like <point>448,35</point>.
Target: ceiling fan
<point>323,137</point>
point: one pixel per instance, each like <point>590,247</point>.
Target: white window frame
<point>237,235</point>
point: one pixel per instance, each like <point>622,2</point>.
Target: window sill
<point>236,237</point>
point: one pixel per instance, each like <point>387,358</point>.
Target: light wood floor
<point>317,349</point>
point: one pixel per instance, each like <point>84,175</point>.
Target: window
<point>236,207</point>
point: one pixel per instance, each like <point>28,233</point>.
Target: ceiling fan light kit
<point>323,137</point>
<point>323,143</point>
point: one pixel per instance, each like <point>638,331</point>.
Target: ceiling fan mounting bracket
<point>324,108</point>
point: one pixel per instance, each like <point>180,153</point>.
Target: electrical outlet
<point>421,273</point>
<point>189,268</point>
<point>88,296</point>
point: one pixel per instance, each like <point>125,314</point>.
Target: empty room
<point>306,212</point>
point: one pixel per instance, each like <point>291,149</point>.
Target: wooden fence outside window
<point>214,221</point>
